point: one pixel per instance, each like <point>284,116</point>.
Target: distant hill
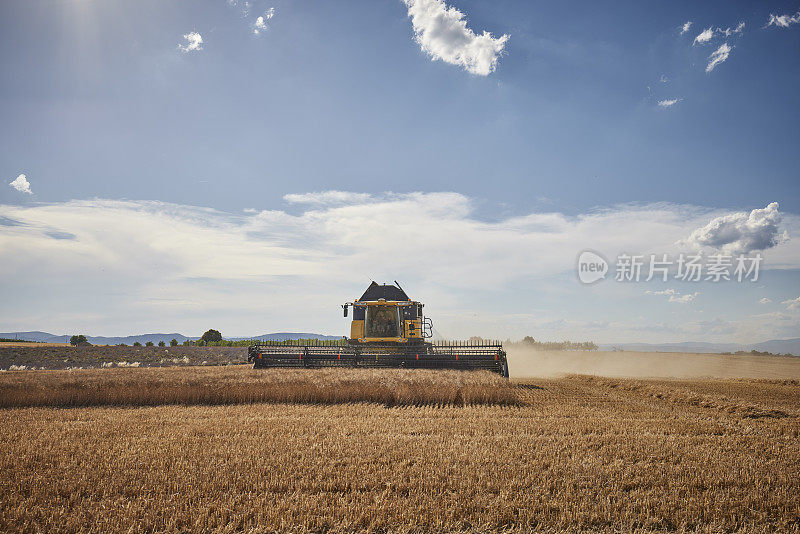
<point>95,340</point>
<point>775,346</point>
<point>155,338</point>
<point>782,346</point>
<point>688,346</point>
<point>35,336</point>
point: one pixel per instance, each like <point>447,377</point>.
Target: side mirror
<point>345,309</point>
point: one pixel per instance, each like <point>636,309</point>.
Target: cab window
<point>382,321</point>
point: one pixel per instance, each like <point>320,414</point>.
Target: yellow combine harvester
<point>388,330</point>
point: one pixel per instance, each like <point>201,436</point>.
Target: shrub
<point>137,344</point>
<point>162,344</point>
<point>173,343</point>
<point>148,344</point>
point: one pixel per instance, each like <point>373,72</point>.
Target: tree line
<point>528,341</point>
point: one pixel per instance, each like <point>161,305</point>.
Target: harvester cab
<point>384,313</point>
<point>388,329</point>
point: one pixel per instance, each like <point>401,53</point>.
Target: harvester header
<point>388,329</point>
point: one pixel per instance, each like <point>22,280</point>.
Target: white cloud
<point>783,21</point>
<point>261,22</point>
<point>764,300</point>
<point>21,184</point>
<point>662,292</point>
<point>741,232</point>
<point>328,197</point>
<point>792,304</point>
<point>675,296</point>
<point>442,33</point>
<point>245,6</point>
<point>151,265</point>
<point>663,78</point>
<point>686,26</point>
<point>683,299</point>
<point>669,103</point>
<point>718,56</point>
<point>727,32</point>
<point>194,41</point>
<point>709,33</point>
<point>704,36</point>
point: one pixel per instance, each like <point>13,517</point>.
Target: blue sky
<point>106,117</point>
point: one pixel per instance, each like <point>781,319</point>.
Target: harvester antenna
<point>398,285</point>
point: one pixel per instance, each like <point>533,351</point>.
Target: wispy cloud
<point>261,22</point>
<point>718,56</point>
<point>442,33</point>
<point>704,36</point>
<point>662,292</point>
<point>709,33</point>
<point>244,6</point>
<point>727,32</point>
<point>669,103</point>
<point>675,296</point>
<point>792,304</point>
<point>764,300</point>
<point>783,21</point>
<point>741,232</point>
<point>194,41</point>
<point>21,184</point>
<point>328,197</point>
<point>683,299</point>
<point>686,26</point>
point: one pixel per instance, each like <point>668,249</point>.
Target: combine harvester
<point>388,330</point>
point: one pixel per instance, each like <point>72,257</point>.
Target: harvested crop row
<point>693,397</point>
<point>240,385</point>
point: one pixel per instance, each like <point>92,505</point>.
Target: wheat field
<point>575,453</point>
<point>240,384</point>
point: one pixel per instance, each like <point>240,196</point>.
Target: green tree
<point>211,335</point>
<point>80,338</point>
<point>148,344</point>
<point>173,343</point>
<point>161,344</point>
<point>137,344</point>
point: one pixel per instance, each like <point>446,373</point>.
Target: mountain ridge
<point>46,337</point>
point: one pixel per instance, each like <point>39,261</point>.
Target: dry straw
<point>238,385</point>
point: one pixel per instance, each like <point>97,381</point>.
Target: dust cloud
<point>525,362</point>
